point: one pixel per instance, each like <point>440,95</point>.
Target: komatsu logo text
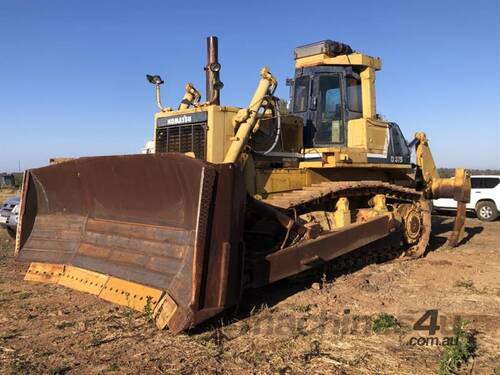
<point>179,120</point>
<point>182,119</point>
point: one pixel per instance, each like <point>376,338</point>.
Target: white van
<point>484,198</point>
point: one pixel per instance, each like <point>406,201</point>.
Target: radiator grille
<point>183,138</point>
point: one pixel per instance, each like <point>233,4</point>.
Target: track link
<point>330,190</point>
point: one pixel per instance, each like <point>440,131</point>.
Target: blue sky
<point>72,72</point>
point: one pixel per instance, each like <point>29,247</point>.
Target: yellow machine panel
<point>210,125</point>
<point>355,59</point>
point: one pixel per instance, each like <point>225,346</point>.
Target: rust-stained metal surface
<point>334,189</point>
<point>294,259</point>
<point>458,226</point>
<point>164,221</point>
<point>306,255</point>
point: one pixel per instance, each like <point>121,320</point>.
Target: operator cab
<point>326,98</point>
<point>325,95</point>
<point>333,91</point>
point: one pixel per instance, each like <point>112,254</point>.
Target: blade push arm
<point>435,187</point>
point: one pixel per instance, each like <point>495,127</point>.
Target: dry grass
<point>292,328</point>
<point>7,193</point>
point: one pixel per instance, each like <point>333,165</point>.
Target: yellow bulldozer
<point>235,198</point>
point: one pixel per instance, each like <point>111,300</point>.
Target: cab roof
<point>328,52</point>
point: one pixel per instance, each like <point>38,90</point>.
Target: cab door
<point>319,98</point>
<point>329,98</point>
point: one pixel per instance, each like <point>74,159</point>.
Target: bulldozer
<point>236,198</point>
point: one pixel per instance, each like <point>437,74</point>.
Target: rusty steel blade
<point>143,226</point>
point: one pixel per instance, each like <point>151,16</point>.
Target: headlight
<point>214,67</point>
<point>218,85</point>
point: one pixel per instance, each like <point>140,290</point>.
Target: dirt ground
<point>313,323</point>
<point>7,193</point>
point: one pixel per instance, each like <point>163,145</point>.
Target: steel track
<point>319,196</point>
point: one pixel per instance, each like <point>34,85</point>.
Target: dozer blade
<point>160,233</point>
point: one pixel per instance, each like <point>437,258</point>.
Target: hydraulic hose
<point>278,130</point>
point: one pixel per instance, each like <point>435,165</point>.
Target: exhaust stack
<point>212,69</point>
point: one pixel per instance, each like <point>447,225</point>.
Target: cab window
<point>329,127</point>
<point>354,95</point>
<point>301,94</point>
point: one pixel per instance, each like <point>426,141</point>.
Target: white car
<point>8,215</point>
<point>148,147</point>
<point>484,198</point>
